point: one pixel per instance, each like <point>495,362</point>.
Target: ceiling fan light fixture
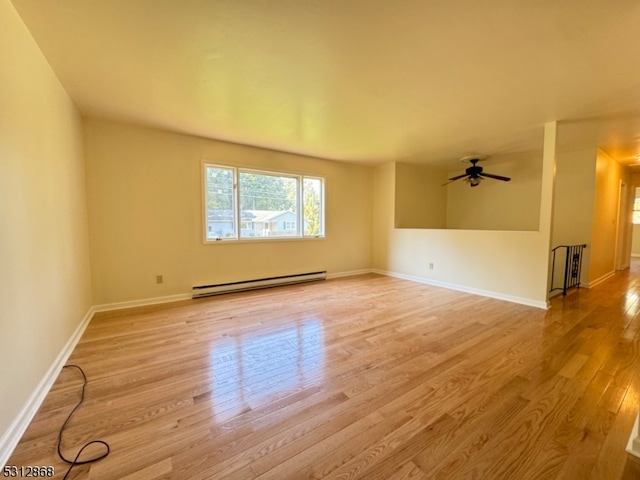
<point>474,182</point>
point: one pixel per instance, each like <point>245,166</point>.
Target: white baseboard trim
<point>141,303</point>
<point>633,446</point>
<point>598,281</point>
<point>461,288</point>
<point>107,307</point>
<point>14,433</point>
<point>349,274</point>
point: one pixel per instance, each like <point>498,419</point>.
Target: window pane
<point>220,222</point>
<point>268,205</point>
<point>313,207</point>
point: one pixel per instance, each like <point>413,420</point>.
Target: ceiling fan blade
<point>453,179</point>
<point>497,177</point>
<point>458,176</point>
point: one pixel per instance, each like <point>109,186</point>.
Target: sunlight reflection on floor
<point>253,369</point>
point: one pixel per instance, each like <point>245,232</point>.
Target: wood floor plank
<point>365,377</point>
<point>408,471</point>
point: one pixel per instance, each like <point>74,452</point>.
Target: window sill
<point>262,240</point>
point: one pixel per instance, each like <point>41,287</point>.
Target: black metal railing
<point>572,263</point>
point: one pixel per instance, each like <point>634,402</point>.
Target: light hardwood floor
<point>366,377</point>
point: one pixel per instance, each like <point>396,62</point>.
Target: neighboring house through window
<point>263,204</point>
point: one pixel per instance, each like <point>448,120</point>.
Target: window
<point>313,206</point>
<point>262,204</point>
<point>220,204</point>
<point>636,208</point>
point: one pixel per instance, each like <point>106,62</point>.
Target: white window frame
<point>237,236</point>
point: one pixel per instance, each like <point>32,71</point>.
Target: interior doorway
<point>634,241</point>
<point>623,235</point>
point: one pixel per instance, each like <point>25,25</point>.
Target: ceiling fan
<point>474,174</point>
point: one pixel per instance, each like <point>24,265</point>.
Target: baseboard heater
<point>220,288</point>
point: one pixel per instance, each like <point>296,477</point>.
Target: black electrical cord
<point>75,461</point>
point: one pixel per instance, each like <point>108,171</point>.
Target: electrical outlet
<point>159,279</point>
<point>430,266</point>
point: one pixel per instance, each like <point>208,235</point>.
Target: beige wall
<point>573,206</point>
<point>609,174</point>
<point>44,245</point>
<point>384,188</point>
<point>420,198</point>
<point>575,182</point>
<point>496,205</point>
<point>505,264</point>
<point>145,210</point>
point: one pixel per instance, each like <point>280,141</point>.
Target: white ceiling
<point>356,80</point>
